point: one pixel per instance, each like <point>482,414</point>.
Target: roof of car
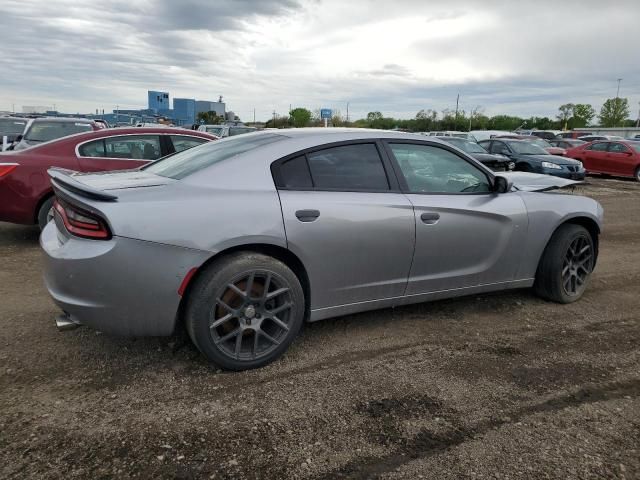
<point>63,119</point>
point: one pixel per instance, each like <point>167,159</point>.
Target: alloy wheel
<point>251,316</point>
<point>577,265</point>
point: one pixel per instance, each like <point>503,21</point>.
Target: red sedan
<point>621,158</point>
<point>26,196</point>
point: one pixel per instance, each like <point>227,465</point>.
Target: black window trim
<point>387,166</point>
<point>404,187</point>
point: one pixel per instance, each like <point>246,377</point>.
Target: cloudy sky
<point>394,56</point>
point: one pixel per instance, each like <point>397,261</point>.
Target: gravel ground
<point>491,386</point>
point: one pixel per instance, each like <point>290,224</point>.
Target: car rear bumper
<point>120,286</point>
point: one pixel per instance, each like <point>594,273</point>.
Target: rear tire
<point>637,174</point>
<point>45,214</point>
<point>566,265</point>
<point>245,310</point>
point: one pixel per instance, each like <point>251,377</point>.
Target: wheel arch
<point>285,255</point>
<point>43,198</point>
<point>589,224</point>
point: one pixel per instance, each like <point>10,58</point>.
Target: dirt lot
<point>493,386</point>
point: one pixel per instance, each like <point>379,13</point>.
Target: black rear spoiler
<point>63,179</point>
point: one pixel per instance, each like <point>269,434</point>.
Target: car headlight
<point>580,165</point>
<point>554,166</point>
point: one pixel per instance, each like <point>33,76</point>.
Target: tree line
<point>614,113</point>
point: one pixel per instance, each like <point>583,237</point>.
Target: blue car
<point>532,158</point>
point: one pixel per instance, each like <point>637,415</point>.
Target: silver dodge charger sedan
<point>246,238</point>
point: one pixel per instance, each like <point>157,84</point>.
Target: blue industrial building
<point>184,110</point>
<point>158,101</point>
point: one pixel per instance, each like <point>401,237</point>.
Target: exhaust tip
<point>64,323</point>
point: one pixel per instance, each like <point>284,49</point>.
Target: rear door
<point>466,236</point>
<point>348,222</point>
<point>120,152</point>
<point>620,159</point>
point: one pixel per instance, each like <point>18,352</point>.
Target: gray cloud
<point>266,54</point>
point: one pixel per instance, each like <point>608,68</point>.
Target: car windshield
<point>215,130</point>
<point>45,131</point>
<point>541,143</point>
<point>466,146</point>
<point>526,148</point>
<point>190,161</point>
<point>9,126</point>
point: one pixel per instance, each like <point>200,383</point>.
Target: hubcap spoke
<point>238,344</point>
<point>237,290</point>
<point>222,320</point>
<point>280,323</point>
<point>250,284</point>
<point>269,337</point>
<point>276,293</point>
<point>230,335</point>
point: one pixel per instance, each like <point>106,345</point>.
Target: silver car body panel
<point>365,250</point>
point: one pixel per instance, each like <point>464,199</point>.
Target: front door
<point>347,222</point>
<point>466,235</point>
<point>620,159</point>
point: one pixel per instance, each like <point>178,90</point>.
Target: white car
<point>226,130</point>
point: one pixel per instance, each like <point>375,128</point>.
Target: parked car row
<point>26,195</point>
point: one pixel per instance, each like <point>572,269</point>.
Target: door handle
<point>430,218</point>
<point>307,215</point>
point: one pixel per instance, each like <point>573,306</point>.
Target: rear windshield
<point>10,126</point>
<point>190,161</point>
<point>45,131</point>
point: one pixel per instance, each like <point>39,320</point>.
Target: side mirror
<point>502,185</point>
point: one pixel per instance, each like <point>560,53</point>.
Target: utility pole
<point>347,112</point>
<point>274,119</point>
<point>456,118</point>
<point>254,115</point>
<point>638,121</point>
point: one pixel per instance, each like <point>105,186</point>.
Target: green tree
<point>614,111</point>
<point>566,112</point>
<point>373,116</point>
<point>210,118</point>
<point>300,117</point>
<point>583,113</point>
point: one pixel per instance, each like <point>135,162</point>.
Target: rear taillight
<point>80,222</point>
<point>7,168</point>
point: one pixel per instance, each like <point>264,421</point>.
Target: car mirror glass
<point>502,185</point>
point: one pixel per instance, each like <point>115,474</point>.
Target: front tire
<point>637,174</point>
<point>566,265</point>
<point>245,310</point>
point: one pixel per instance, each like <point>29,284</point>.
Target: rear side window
<point>137,147</point>
<point>348,167</point>
<point>294,173</point>
<point>92,149</point>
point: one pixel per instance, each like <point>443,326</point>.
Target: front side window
<point>348,168</point>
<point>618,148</point>
<point>137,147</point>
<point>429,169</point>
<point>181,142</point>
<point>499,147</point>
<point>598,147</point>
